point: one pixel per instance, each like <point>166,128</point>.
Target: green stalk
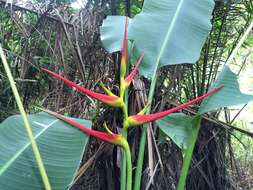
<point>188,154</point>
<point>26,123</point>
<point>123,168</point>
<point>129,165</point>
<point>150,98</point>
<point>123,176</point>
<point>138,172</point>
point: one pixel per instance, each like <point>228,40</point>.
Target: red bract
<point>141,119</point>
<point>111,100</point>
<point>130,77</point>
<point>111,138</point>
<point>124,52</point>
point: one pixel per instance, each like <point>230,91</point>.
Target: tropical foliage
<point>168,60</point>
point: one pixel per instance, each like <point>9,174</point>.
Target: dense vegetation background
<point>55,35</point>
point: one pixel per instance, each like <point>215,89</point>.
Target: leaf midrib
<point>15,156</point>
<point>169,31</point>
<point>165,41</point>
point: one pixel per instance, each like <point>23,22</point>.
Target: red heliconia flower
<point>111,138</point>
<point>141,119</point>
<point>130,77</point>
<point>124,52</point>
<point>111,100</point>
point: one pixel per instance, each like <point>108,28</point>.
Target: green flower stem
<point>137,180</point>
<point>138,172</point>
<point>188,154</point>
<point>128,165</point>
<point>123,166</point>
<point>26,123</point>
<point>150,98</point>
<point>123,176</point>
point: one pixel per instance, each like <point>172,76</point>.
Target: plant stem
<point>150,98</point>
<point>188,154</point>
<point>123,171</point>
<point>35,149</point>
<point>124,134</point>
<point>123,176</point>
<point>137,180</point>
<point>129,166</point>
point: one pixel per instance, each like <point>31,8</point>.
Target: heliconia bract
<point>111,138</point>
<point>141,119</point>
<point>124,52</point>
<point>130,77</point>
<point>111,100</point>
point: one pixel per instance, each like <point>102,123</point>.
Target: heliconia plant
<point>118,101</point>
<point>175,39</point>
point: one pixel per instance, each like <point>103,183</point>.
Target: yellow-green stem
<point>128,166</point>
<point>123,166</point>
<point>26,123</point>
<point>123,176</point>
<point>122,87</point>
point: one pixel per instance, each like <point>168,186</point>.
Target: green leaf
<point>167,31</point>
<point>112,32</point>
<point>178,127</point>
<point>229,95</point>
<point>61,147</point>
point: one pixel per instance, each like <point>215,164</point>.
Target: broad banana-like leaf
<point>178,127</point>
<point>61,147</point>
<point>229,95</point>
<point>167,31</point>
<point>112,32</point>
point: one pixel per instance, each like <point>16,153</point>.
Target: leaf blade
<point>61,149</point>
<point>230,95</point>
<point>112,32</point>
<point>178,127</point>
<point>178,41</point>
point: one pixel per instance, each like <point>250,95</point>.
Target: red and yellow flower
<point>110,138</point>
<point>141,119</point>
<point>111,100</point>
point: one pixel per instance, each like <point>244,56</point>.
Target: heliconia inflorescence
<point>115,101</point>
<point>118,101</point>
